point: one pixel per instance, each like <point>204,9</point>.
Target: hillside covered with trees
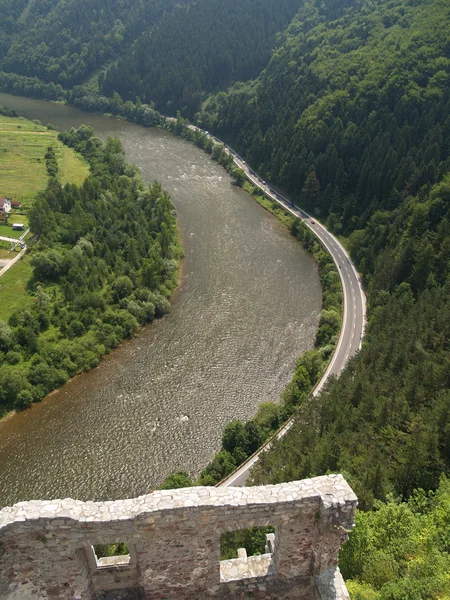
<point>63,42</point>
<point>197,50</point>
<point>170,54</point>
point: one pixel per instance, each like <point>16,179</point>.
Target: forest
<point>65,42</point>
<point>201,48</point>
<point>169,55</point>
<point>105,262</point>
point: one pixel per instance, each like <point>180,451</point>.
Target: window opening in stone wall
<point>112,555</point>
<point>247,553</point>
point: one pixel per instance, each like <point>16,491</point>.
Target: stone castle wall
<point>46,547</point>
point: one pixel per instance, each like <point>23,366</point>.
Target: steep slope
<point>64,41</point>
<point>198,49</point>
<point>168,53</point>
<point>350,112</point>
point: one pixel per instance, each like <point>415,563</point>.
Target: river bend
<point>247,306</point>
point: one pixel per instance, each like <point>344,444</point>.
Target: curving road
<point>354,316</point>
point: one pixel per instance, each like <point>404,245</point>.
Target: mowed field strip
<point>23,173</point>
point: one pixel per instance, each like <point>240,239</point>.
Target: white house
<point>5,206</point>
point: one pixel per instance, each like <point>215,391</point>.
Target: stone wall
<point>46,547</point>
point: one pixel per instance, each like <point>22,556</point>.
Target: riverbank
<point>227,345</point>
<point>240,440</point>
<point>88,290</point>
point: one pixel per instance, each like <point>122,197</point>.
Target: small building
<point>5,206</point>
<point>15,203</point>
<point>17,226</point>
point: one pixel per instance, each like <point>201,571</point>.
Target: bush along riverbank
<point>240,440</point>
<point>105,261</point>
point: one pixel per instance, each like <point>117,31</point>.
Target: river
<point>246,308</point>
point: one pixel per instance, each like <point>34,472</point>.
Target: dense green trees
<point>353,109</point>
<point>401,550</point>
<point>170,54</point>
<point>106,262</point>
<point>64,42</point>
<point>201,47</point>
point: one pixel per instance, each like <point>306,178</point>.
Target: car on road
<point>313,222</point>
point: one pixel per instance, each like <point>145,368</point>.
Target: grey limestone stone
<point>46,547</point>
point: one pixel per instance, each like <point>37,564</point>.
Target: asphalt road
<point>354,316</point>
<point>354,298</point>
<point>352,330</point>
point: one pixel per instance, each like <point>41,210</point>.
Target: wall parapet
<point>46,547</point>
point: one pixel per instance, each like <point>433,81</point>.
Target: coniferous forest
<point>344,105</point>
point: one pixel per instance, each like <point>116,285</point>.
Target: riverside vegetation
<point>359,132</point>
<point>105,262</point>
<point>241,440</point>
<point>351,117</point>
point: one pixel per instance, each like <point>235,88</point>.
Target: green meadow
<point>23,173</point>
<point>13,293</point>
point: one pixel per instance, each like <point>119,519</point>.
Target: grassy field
<point>13,294</point>
<point>7,231</point>
<point>23,145</point>
<point>23,174</point>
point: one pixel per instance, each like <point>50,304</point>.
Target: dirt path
<point>13,261</point>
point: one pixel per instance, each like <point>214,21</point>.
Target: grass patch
<point>7,231</point>
<point>13,293</point>
<point>18,218</point>
<point>72,167</point>
<point>270,205</point>
<point>23,173</point>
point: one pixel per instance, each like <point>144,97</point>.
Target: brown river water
<point>246,308</point>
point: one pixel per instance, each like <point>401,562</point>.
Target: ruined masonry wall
<point>174,540</point>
